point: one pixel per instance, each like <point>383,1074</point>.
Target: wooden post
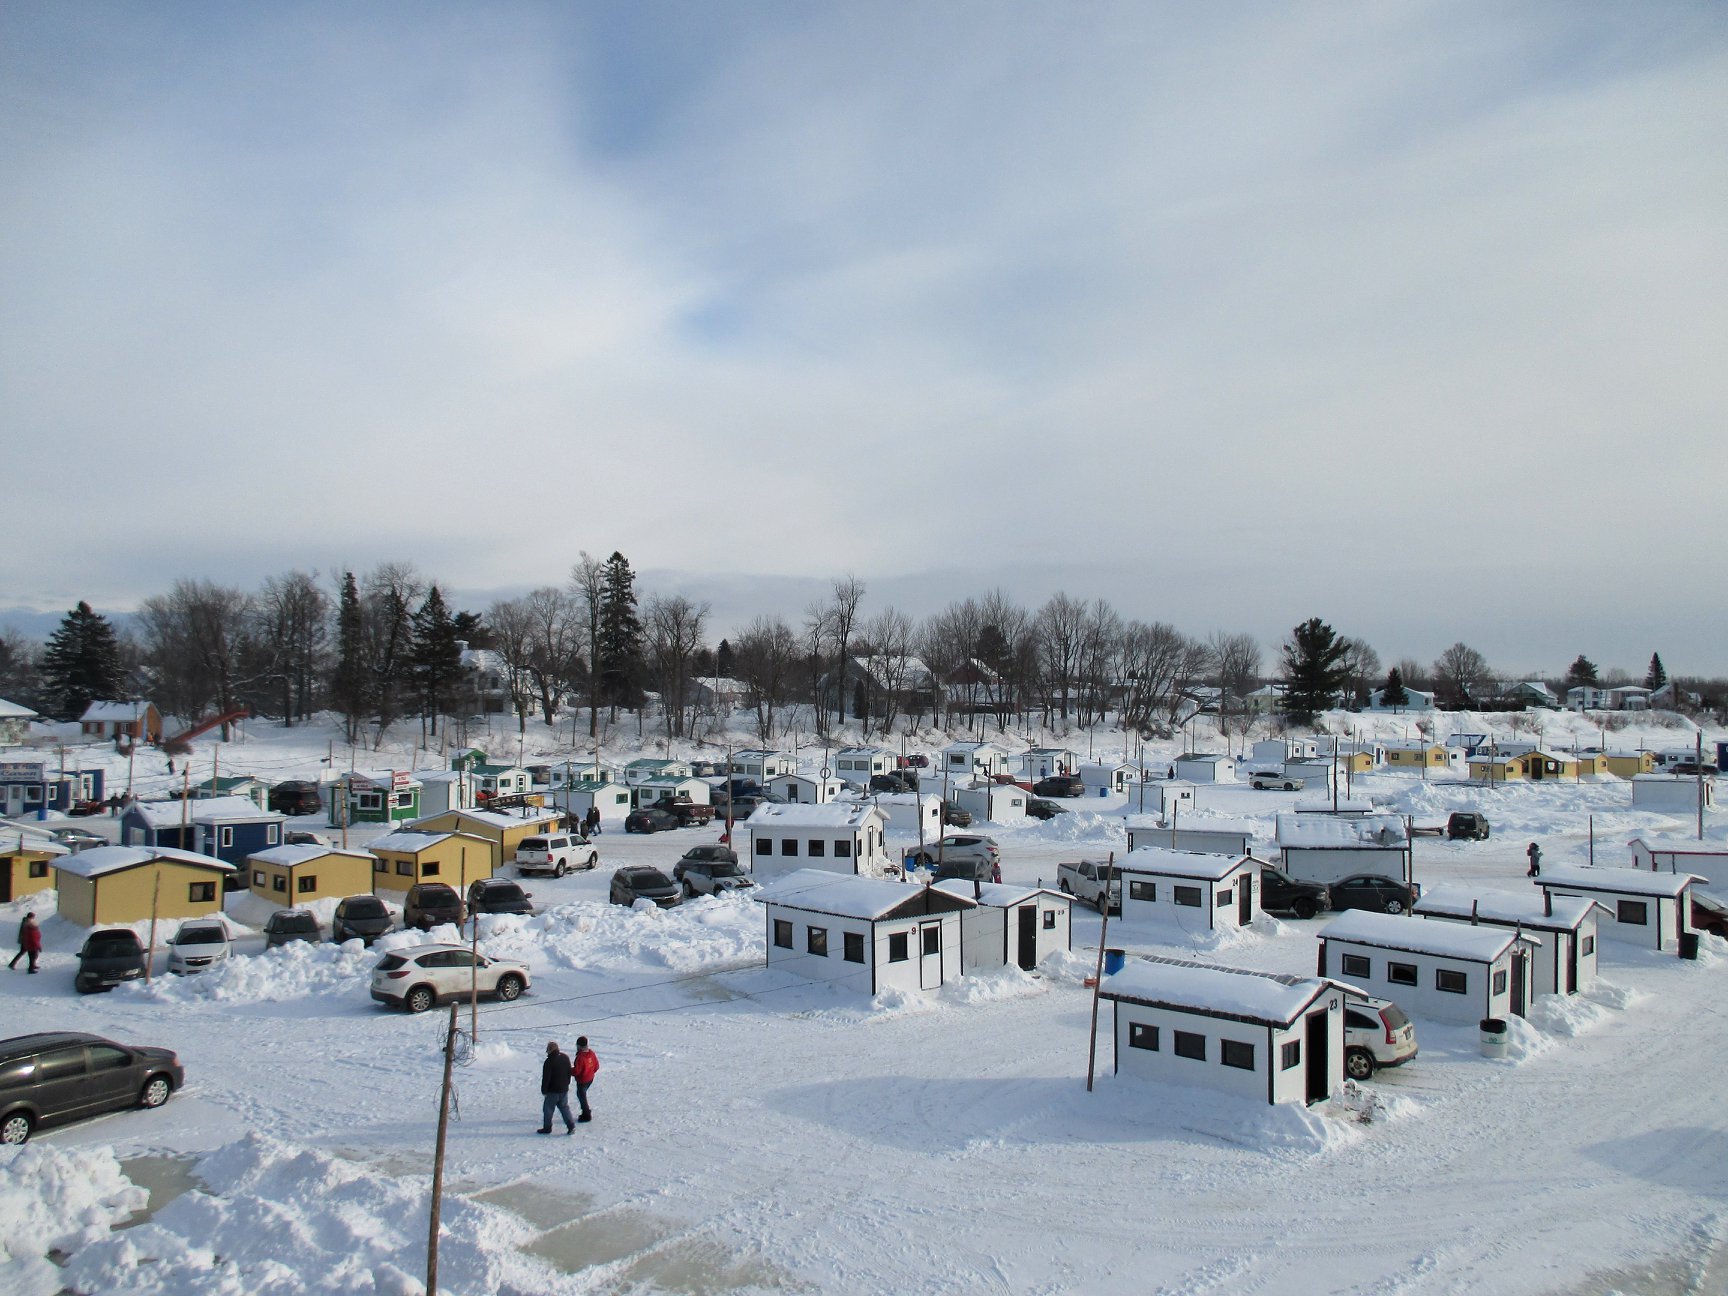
<point>1591,820</point>
<point>1698,765</point>
<point>1098,972</point>
<point>474,957</point>
<point>438,1156</point>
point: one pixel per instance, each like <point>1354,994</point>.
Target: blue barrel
<point>1114,961</point>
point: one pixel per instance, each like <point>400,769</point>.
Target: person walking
<point>591,822</point>
<point>584,1069</point>
<point>555,1075</point>
<point>1535,853</point>
<point>29,942</point>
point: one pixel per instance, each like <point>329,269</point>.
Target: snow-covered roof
<point>443,776</point>
<point>1194,823</point>
<point>758,753</point>
<point>1210,758</point>
<point>929,800</point>
<point>31,845</point>
<point>997,895</point>
<point>1343,806</point>
<point>1262,997</point>
<point>168,814</point>
<point>303,853</point>
<point>834,814</point>
<point>1165,862</point>
<point>668,780</point>
<point>491,818</point>
<point>224,809</point>
<point>99,861</point>
<point>651,762</point>
<point>591,785</point>
<point>1678,844</point>
<point>408,841</point>
<point>1564,913</point>
<point>12,711</point>
<point>973,747</point>
<point>1365,832</point>
<point>1418,936</point>
<point>863,751</point>
<point>1624,881</point>
<point>849,896</point>
<point>1666,778</point>
<point>108,712</point>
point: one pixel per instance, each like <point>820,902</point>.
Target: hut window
<point>1190,1045</point>
<point>1500,981</point>
<point>201,892</point>
<point>1589,946</point>
<point>1142,890</point>
<point>278,883</point>
<point>1226,898</point>
<point>816,941</point>
<point>1451,981</point>
<point>1401,973</point>
<point>854,947</point>
<point>788,845</point>
<point>783,933</point>
<point>1049,920</point>
<point>429,869</point>
<point>818,848</point>
<point>1357,965</point>
<point>897,952</point>
<point>270,833</point>
<point>227,837</point>
<point>1142,1036</point>
<point>308,883</point>
<point>932,939</point>
<point>1291,1055</point>
<point>1634,913</point>
<point>38,868</point>
<point>1234,1053</point>
<point>843,849</point>
<point>380,865</point>
<point>1187,895</point>
<point>764,846</point>
<point>405,868</point>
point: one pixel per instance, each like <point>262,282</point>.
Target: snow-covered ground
<point>755,1133</point>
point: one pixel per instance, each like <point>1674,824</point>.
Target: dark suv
<point>498,896</point>
<point>360,917</point>
<point>60,1076</point>
<point>643,882</point>
<point>1281,893</point>
<point>1059,785</point>
<point>898,781</point>
<point>108,958</point>
<point>431,903</point>
<point>295,797</point>
<point>286,926</point>
<point>1467,826</point>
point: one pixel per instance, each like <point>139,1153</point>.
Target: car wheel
<point>1358,1063</point>
<point>1395,905</point>
<point>156,1091</point>
<point>1305,908</point>
<point>689,892</point>
<point>561,870</point>
<point>509,987</point>
<point>419,999</point>
<point>592,861</point>
<point>1289,787</point>
<point>15,1129</point>
<point>1062,885</point>
<point>1103,904</point>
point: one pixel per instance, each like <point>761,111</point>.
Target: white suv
<point>418,977</point>
<point>1376,1034</point>
<point>555,853</point>
<point>1273,781</point>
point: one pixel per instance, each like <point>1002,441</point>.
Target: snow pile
<point>705,933</point>
<point>56,1199</point>
<point>297,970</point>
<point>1569,1016</point>
<point>276,1221</point>
<point>1075,826</point>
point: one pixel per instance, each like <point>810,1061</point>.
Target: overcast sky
<point>1409,316</point>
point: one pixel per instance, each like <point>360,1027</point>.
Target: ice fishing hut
<point>1011,925</point>
<point>840,837</point>
<point>864,934</point>
<point>1197,891</point>
<point>1329,848</point>
<point>1563,928</point>
<point>106,885</point>
<point>1649,909</point>
<point>1213,836</point>
<point>1450,972</point>
<point>1002,803</point>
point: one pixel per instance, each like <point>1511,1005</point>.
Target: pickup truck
<point>690,814</point>
<point>1084,880</point>
<point>1462,826</point>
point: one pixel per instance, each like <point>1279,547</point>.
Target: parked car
<point>1282,894</point>
<point>1059,785</point>
<point>650,820</point>
<point>954,817</point>
<point>108,958</point>
<point>689,814</point>
<point>644,882</point>
<point>297,837</point>
<point>710,853</point>
<point>360,917</point>
<point>59,1076</point>
<point>895,781</point>
<point>1709,915</point>
<point>1272,780</point>
<point>431,903</point>
<point>1376,1034</point>
<point>555,853</point>
<point>77,839</point>
<point>199,945</point>
<point>967,868</point>
<point>295,797</point>
<point>1690,768</point>
<point>418,977</point>
<point>286,926</point>
<point>710,876</point>
<point>498,896</point>
<point>917,759</point>
<point>957,847</point>
<point>84,808</point>
<point>1467,826</point>
<point>1085,880</point>
<point>1372,891</point>
<point>1041,808</point>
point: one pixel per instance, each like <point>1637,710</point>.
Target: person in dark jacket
<point>555,1090</point>
<point>29,942</point>
<point>1534,852</point>
<point>591,822</point>
<point>584,1069</point>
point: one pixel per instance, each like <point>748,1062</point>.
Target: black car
<point>1039,808</point>
<point>360,917</point>
<point>1059,785</point>
<point>644,882</point>
<point>1371,891</point>
<point>710,853</point>
<point>108,958</point>
<point>1283,894</point>
<point>898,781</point>
<point>60,1076</point>
<point>650,820</point>
<point>431,903</point>
<point>498,896</point>
<point>954,817</point>
<point>1466,825</point>
<point>286,926</point>
<point>295,797</point>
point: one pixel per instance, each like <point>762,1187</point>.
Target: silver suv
<point>709,874</point>
<point>1376,1034</point>
<point>555,853</point>
<point>968,853</point>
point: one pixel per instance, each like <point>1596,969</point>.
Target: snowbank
<point>56,1199</point>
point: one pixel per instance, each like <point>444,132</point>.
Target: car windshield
<point>648,878</point>
<point>296,923</point>
<point>113,946</point>
<point>724,868</point>
<point>200,936</point>
<point>503,891</point>
<point>365,909</point>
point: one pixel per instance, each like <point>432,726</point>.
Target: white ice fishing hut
<point>840,837</point>
<point>1278,1039</point>
<point>1107,779</point>
<point>1002,803</point>
<point>860,763</point>
<point>1450,972</point>
<point>1198,891</point>
<point>1564,929</point>
<point>864,934</point>
<point>1213,836</point>
<point>905,809</point>
<point>1639,908</point>
<point>1329,848</point>
<point>1658,853</point>
<point>802,789</point>
<point>1205,767</point>
<point>1678,793</point>
<point>1015,925</point>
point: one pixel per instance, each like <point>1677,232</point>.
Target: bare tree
<point>588,588</point>
<point>890,664</point>
<point>293,619</point>
<point>949,645</point>
<point>1159,663</point>
<point>675,627</point>
<point>1059,627</point>
<point>552,656</point>
<point>513,638</point>
<point>842,618</point>
<point>1100,657</point>
<point>1362,671</point>
<point>195,640</point>
<point>1460,673</point>
<point>765,658</point>
<point>1414,673</point>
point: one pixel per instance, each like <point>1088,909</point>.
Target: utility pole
<point>438,1155</point>
<point>1698,768</point>
<point>155,897</point>
<point>1098,972</point>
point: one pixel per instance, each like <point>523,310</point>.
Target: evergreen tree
<point>724,662</point>
<point>471,630</point>
<point>1581,673</point>
<point>620,656</point>
<point>1316,668</point>
<point>437,659</point>
<point>1656,676</point>
<point>1394,694</point>
<point>349,686</point>
<point>81,663</point>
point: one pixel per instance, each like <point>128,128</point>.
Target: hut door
<point>1571,964</point>
<point>5,881</point>
<point>930,960</point>
<point>1028,936</point>
<point>1319,1059</point>
<point>1245,899</point>
<point>1520,970</point>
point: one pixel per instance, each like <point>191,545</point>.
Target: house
<point>1587,697</point>
<point>1563,929</point>
<point>26,867</point>
<point>109,885</point>
<point>1015,926</point>
<point>863,934</point>
<point>1674,793</point>
<point>905,809</point>
<point>298,875</point>
<point>1424,756</point>
<point>1268,699</point>
<point>873,685</point>
<point>1415,699</point>
<point>970,760</point>
<point>1001,803</point>
<point>492,781</point>
<point>1503,766</point>
<point>1261,1036</point>
<point>466,758</point>
<point>860,764</point>
<point>135,719</point>
<point>671,787</point>
<point>1329,848</point>
<point>1447,971</point>
<point>442,790</point>
<point>760,764</point>
<point>1195,890</point>
<point>1105,779</point>
<point>1589,765</point>
<point>973,688</point>
<point>592,771</point>
<point>805,790</point>
<point>254,790</point>
<point>1317,773</point>
<point>231,828</point>
<point>1355,756</point>
<point>640,771</point>
<point>1649,909</point>
<point>841,837</point>
<point>14,722</point>
<point>1531,694</point>
<point>158,823</point>
<point>484,681</point>
<point>30,787</point>
<point>1628,765</point>
<point>613,799</point>
<point>406,857</point>
<point>1041,762</point>
<point>1271,753</point>
<point>718,693</point>
<point>504,829</point>
<point>1664,853</point>
<point>1204,767</point>
<point>1209,836</point>
<point>378,796</point>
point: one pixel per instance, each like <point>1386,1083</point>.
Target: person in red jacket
<point>583,1070</point>
<point>29,942</point>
